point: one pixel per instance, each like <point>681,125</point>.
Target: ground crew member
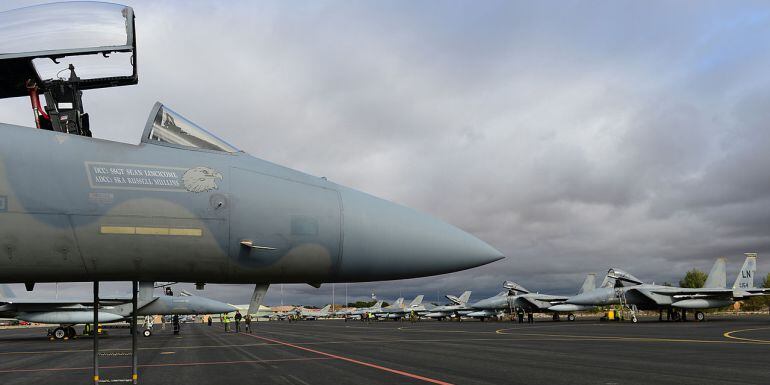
<point>209,320</point>
<point>520,313</point>
<point>175,323</point>
<point>238,317</point>
<point>226,322</point>
<point>530,318</point>
<point>247,320</point>
<point>412,316</point>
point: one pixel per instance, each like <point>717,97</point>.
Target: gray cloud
<point>573,136</point>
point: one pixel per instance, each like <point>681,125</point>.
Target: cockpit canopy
<point>37,44</point>
<point>622,276</point>
<point>513,286</point>
<point>170,128</point>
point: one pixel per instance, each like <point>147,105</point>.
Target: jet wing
<point>688,293</point>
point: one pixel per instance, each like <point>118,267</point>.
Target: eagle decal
<point>200,179</point>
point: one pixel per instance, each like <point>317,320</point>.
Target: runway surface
<point>718,351</point>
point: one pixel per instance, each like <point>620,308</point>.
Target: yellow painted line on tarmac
<point>730,335</point>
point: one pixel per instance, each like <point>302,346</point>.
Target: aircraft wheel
<point>699,316</point>
<point>71,333</point>
<point>634,319</point>
<point>59,333</point>
<point>482,319</point>
<point>146,332</point>
<point>570,317</point>
<point>555,316</point>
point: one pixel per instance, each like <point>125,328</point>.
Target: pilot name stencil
<point>150,178</point>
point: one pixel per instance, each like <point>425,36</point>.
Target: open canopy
<point>38,42</point>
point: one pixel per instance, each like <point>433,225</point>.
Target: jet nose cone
<point>383,240</point>
<point>210,306</point>
<point>580,299</point>
<point>479,304</point>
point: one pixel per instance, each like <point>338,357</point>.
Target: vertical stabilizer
<point>718,275</point>
<point>399,303</point>
<point>745,278</point>
<point>589,284</point>
<point>416,301</point>
<point>377,305</point>
<point>465,297</point>
<point>325,309</point>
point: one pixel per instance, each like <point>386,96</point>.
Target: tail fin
<point>325,309</point>
<point>399,302</point>
<point>378,304</point>
<point>745,278</point>
<point>589,284</point>
<point>6,292</point>
<point>417,301</point>
<point>717,277</point>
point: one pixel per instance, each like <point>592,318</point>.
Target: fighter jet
<point>632,292</point>
<point>182,205</point>
<point>312,314</point>
<point>457,309</point>
<point>397,313</point>
<point>68,312</point>
<point>519,297</point>
<point>377,307</point>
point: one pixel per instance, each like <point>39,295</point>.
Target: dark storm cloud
<point>572,136</point>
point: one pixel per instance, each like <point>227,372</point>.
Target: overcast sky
<point>572,136</point>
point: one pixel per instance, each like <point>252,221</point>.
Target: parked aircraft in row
<point>68,312</point>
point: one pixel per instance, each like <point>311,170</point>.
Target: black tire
<point>59,333</point>
<point>699,316</point>
<point>570,317</point>
<point>71,333</point>
<point>146,332</point>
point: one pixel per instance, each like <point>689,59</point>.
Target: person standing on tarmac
<point>520,313</point>
<point>209,320</point>
<point>247,321</point>
<point>530,318</point>
<point>226,322</point>
<point>238,317</point>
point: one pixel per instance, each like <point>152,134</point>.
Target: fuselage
<point>75,208</point>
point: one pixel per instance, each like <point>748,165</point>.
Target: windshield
<point>170,127</point>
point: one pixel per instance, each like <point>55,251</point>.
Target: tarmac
<point>718,351</point>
